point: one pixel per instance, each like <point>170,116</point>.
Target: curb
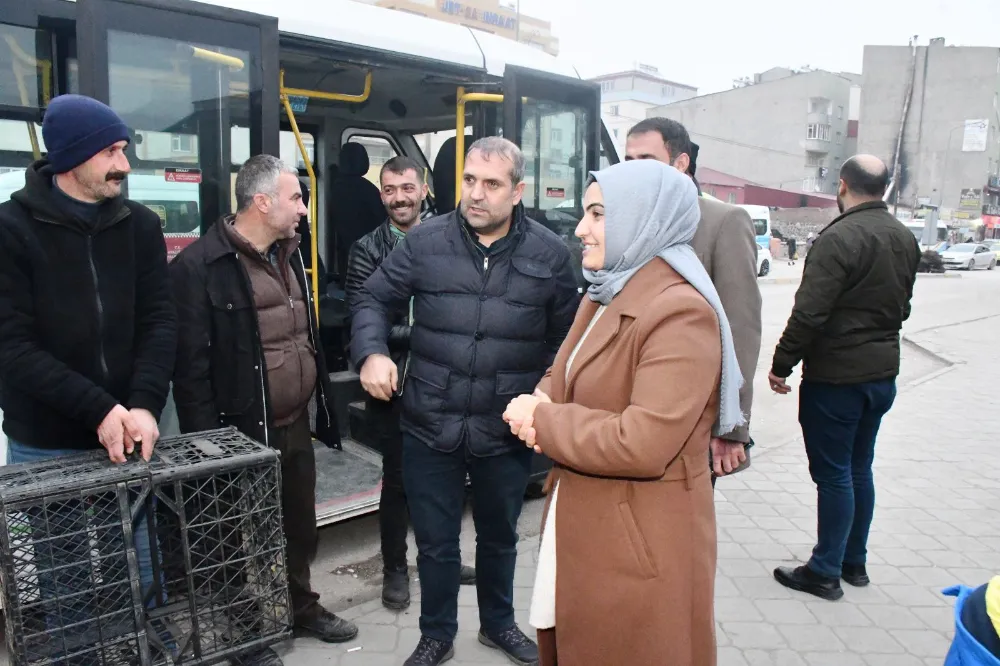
<point>951,275</point>
<point>783,280</point>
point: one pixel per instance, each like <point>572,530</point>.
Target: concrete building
<point>782,129</point>
<point>627,96</point>
<point>951,142</point>
<point>499,18</point>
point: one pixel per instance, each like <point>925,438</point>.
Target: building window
<point>810,185</point>
<point>557,135</point>
<point>814,159</point>
<point>607,86</point>
<point>668,91</point>
<point>732,197</point>
<point>182,143</point>
<point>820,105</point>
<point>840,112</point>
<point>840,138</point>
<point>614,109</point>
<point>819,132</point>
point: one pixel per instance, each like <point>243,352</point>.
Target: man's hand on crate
<point>149,432</point>
<point>122,429</point>
<point>112,436</point>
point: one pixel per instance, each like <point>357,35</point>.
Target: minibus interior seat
<point>444,177</point>
<point>356,205</point>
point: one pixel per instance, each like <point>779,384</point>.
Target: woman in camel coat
<point>627,564</point>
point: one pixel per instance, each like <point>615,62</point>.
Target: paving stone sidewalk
<point>936,524</point>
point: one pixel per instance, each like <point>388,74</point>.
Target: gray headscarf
<point>651,210</point>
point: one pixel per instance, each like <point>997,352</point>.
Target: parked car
<point>763,260</point>
<point>994,246</point>
<point>968,256</point>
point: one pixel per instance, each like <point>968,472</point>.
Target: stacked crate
<point>214,586</point>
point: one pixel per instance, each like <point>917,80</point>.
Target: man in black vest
<point>494,295</point>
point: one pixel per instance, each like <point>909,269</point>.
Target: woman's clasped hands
<point>520,416</point>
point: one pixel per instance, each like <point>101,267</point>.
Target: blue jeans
<point>435,491</point>
<point>839,425</point>
<point>63,562</point>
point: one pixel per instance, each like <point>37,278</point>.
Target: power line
<point>746,145</point>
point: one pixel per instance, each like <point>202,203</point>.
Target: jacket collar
<point>38,197</point>
<point>868,205</point>
<point>517,225</point>
<point>217,242</point>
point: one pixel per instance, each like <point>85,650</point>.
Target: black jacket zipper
<point>100,307</point>
<point>105,372</point>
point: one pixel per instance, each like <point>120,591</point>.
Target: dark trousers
<point>839,425</point>
<point>298,506</point>
<point>392,511</point>
<point>435,490</point>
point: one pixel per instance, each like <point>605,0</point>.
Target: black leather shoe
<point>327,627</point>
<point>396,590</point>
<point>468,575</point>
<point>266,657</point>
<point>517,647</point>
<point>430,652</point>
<point>804,579</point>
<point>855,574</point>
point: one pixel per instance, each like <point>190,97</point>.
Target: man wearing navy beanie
<point>87,325</point>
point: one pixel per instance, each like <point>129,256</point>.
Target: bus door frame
<point>284,94</point>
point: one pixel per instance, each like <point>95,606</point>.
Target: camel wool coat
<point>629,435</point>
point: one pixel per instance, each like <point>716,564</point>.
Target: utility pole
<point>517,22</point>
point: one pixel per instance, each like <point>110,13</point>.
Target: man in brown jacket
<point>249,356</point>
<point>727,247</point>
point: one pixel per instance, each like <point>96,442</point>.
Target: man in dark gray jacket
<point>853,300</point>
<point>494,295</point>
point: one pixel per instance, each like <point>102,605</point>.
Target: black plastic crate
<point>220,555</point>
<point>215,585</point>
<point>69,568</point>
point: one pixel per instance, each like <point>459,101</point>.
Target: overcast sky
<point>708,43</point>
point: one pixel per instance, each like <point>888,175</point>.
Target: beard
<point>404,216</point>
<point>484,225</point>
<point>840,204</point>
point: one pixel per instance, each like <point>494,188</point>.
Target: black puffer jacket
<point>367,254</point>
<point>853,300</point>
<point>485,328</point>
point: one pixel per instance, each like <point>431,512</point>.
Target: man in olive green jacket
<point>844,328</point>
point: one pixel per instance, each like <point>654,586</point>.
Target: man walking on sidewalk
<point>403,191</point>
<point>249,356</point>
<point>726,245</point>
<point>494,295</point>
<point>844,327</point>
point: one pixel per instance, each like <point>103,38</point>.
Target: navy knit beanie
<point>76,128</point>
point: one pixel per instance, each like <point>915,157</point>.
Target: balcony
<point>817,146</point>
<point>818,119</point>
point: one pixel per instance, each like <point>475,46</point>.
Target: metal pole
<point>517,22</point>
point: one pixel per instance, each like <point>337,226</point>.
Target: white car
<point>763,261</point>
<point>968,256</point>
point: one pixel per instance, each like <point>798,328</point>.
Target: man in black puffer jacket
<point>403,192</point>
<point>494,295</point>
